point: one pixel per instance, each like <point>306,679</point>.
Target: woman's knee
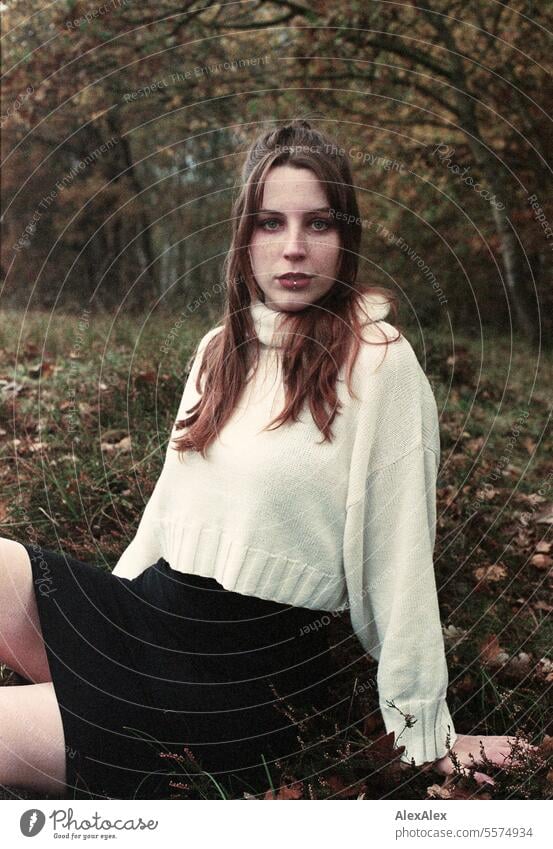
<point>32,741</point>
<point>12,553</point>
<point>21,640</point>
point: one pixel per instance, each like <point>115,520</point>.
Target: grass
<point>73,388</point>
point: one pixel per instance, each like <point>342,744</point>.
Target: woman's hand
<point>498,750</point>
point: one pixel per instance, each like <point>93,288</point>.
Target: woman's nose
<point>294,246</point>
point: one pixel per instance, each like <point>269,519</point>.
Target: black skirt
<point>171,663</point>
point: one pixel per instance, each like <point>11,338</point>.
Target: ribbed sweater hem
<point>214,553</point>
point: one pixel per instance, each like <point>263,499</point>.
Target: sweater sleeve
<point>392,594</point>
<point>144,549</point>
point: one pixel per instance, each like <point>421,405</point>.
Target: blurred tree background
<point>124,127</point>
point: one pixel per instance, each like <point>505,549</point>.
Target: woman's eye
<point>263,224</point>
<point>326,224</point>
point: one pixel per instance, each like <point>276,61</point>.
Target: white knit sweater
<point>343,525</point>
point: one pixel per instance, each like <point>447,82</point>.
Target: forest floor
<point>86,407</point>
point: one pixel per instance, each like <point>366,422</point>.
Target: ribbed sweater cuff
<point>426,739</point>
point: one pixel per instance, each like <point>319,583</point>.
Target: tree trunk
<point>510,252</point>
<point>144,292</point>
<point>508,245</point>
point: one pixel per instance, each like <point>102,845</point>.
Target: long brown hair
<point>317,339</point>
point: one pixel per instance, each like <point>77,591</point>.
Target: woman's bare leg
<point>21,641</point>
<point>32,742</point>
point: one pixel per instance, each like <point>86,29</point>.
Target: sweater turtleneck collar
<point>267,321</point>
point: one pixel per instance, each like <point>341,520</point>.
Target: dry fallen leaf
<point>123,445</point>
<point>37,446</point>
<point>474,445</point>
<point>546,747</point>
<point>384,748</point>
<point>488,494</point>
<point>10,388</point>
<point>42,369</point>
<point>541,561</point>
<point>544,669</point>
<point>145,377</point>
<point>294,791</point>
<point>489,574</point>
<point>438,791</point>
<point>530,498</point>
<point>520,665</point>
<point>491,652</point>
<point>529,444</point>
<point>522,535</point>
<point>453,635</point>
<point>546,516</point>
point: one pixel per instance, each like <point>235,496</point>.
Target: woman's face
<point>294,232</point>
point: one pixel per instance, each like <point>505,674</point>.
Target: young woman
<point>299,482</point>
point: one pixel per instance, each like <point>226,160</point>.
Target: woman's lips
<point>294,283</point>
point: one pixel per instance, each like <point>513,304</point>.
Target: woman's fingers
<point>482,778</point>
<point>502,754</point>
<point>498,751</point>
